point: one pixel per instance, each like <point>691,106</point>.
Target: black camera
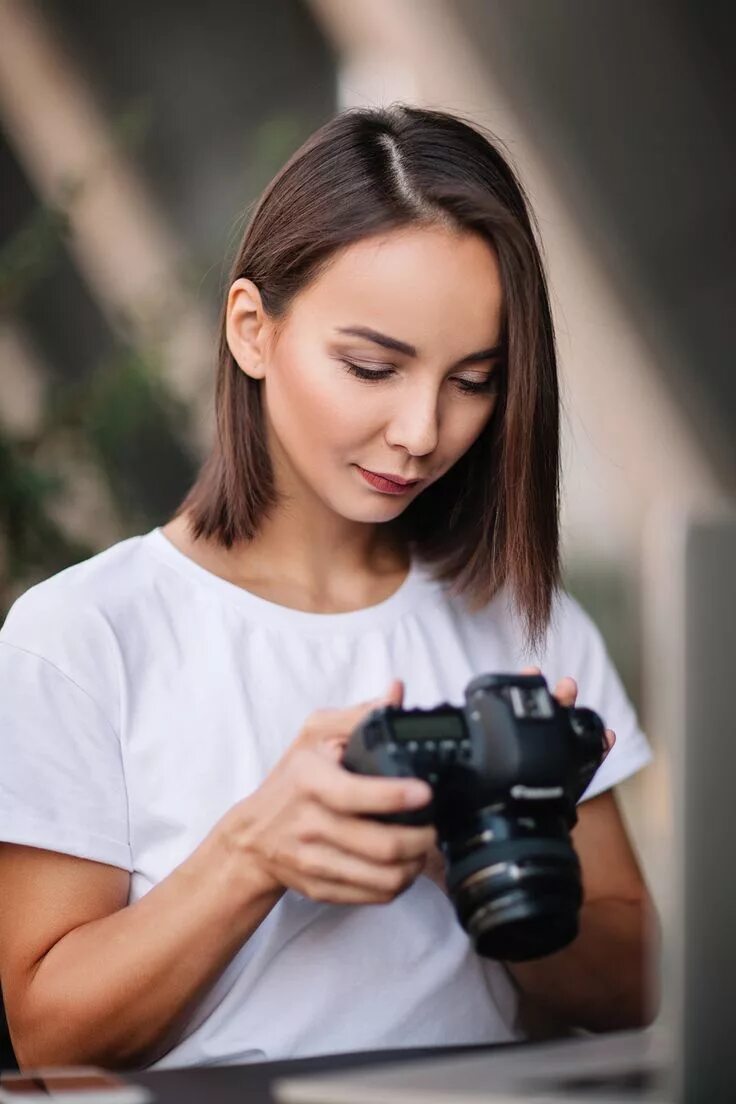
<point>506,770</point>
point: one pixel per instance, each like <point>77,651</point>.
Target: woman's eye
<point>467,387</point>
<point>481,387</point>
<point>366,373</point>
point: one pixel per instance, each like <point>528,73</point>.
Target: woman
<point>189,875</point>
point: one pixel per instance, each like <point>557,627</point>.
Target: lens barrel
<point>517,898</point>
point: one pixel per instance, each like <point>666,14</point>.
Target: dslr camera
<point>506,771</point>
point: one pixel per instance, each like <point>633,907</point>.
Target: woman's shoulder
<point>62,710</point>
<point>69,620</point>
<point>94,582</point>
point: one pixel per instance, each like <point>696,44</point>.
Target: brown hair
<point>492,519</point>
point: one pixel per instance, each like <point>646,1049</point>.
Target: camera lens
<point>515,886</point>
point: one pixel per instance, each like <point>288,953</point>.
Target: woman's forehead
<point>416,284</point>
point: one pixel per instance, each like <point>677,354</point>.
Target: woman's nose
<point>415,423</point>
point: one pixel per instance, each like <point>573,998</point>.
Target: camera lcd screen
<point>447,726</point>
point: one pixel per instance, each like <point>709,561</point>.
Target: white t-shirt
<point>141,697</point>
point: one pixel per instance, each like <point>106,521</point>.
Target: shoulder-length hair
<point>492,520</point>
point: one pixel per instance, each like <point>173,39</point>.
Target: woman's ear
<point>245,327</point>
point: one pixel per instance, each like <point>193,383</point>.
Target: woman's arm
<point>89,979</point>
<point>605,980</point>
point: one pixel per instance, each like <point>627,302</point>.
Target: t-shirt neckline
<point>417,586</point>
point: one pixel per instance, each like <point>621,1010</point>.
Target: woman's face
<point>417,313</point>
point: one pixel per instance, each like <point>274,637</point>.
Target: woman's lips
<point>383,484</point>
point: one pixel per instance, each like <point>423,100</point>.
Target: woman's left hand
<point>566,692</point>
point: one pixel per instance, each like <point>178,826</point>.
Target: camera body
<point>506,770</point>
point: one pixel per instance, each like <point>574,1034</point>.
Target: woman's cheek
<point>466,429</point>
<point>302,403</point>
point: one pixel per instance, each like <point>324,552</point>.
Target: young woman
<point>189,875</point>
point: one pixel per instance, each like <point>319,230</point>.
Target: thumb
<point>395,695</point>
<point>329,729</point>
<point>346,719</point>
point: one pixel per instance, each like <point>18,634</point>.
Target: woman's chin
<point>374,509</point>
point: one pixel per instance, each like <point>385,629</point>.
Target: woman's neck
<point>271,567</point>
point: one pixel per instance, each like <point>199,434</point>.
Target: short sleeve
<point>575,647</point>
<point>62,784</point>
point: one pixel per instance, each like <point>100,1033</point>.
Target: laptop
<point>686,1056</point>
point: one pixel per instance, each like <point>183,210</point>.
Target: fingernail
<point>417,793</point>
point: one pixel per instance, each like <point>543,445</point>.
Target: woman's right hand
<point>306,827</point>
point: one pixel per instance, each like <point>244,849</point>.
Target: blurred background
<point>134,137</point>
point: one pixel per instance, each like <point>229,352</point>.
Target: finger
<point>340,893</point>
<point>331,728</point>
<point>610,741</point>
<point>331,864</point>
<point>344,792</point>
<point>566,691</point>
<point>381,843</point>
<point>335,725</point>
<point>395,695</point>
<point>530,671</point>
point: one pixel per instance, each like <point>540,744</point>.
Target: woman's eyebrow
<point>397,346</point>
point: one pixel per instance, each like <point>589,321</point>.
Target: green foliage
<point>134,429</point>
<point>118,415</point>
<point>29,255</point>
<point>272,143</point>
<point>34,545</point>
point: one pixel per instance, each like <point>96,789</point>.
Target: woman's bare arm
<point>90,979</point>
<point>606,979</point>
